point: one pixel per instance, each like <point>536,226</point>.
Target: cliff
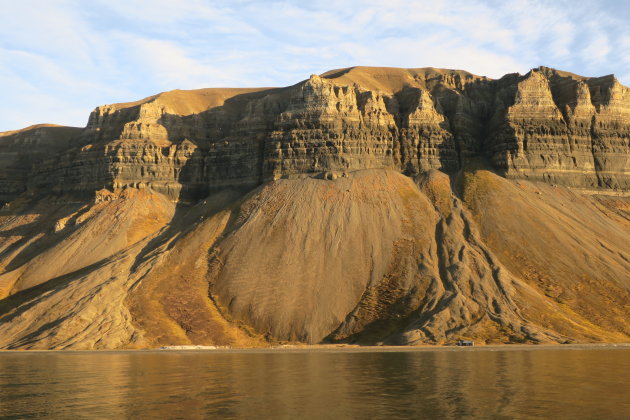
<point>363,205</point>
<point>546,126</point>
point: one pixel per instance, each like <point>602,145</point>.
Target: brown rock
<point>246,217</point>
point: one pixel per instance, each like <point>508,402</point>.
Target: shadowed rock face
<point>366,205</point>
<point>547,126</point>
<point>22,150</point>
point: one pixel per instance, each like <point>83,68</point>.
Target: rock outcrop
<point>22,150</point>
<point>566,130</point>
<point>547,126</point>
<point>364,205</point>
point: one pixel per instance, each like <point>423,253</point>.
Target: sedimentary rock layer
<point>364,205</point>
<point>547,125</point>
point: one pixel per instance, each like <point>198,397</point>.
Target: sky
<point>59,59</point>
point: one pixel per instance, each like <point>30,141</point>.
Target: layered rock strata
<point>547,125</point>
<point>365,205</point>
<point>23,150</point>
<point>566,130</point>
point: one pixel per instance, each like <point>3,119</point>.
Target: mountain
<point>364,205</point>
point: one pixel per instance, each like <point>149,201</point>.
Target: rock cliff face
<point>363,205</point>
<point>546,125</point>
<point>22,150</point>
<point>566,130</point>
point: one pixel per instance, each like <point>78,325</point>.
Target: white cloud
<point>171,66</point>
<point>624,49</point>
<point>597,49</point>
<point>564,37</point>
<point>76,55</point>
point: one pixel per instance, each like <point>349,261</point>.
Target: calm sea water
<point>465,383</point>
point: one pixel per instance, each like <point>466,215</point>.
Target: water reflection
<point>436,384</point>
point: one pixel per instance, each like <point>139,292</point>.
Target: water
<point>464,383</point>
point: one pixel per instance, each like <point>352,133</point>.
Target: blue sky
<point>61,58</point>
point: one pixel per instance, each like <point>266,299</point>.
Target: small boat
<point>465,343</point>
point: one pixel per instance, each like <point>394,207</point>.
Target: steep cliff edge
<point>21,150</point>
<point>547,125</point>
<point>364,205</point>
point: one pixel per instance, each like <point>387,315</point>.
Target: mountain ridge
<point>364,205</point>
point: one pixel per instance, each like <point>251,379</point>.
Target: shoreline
<point>322,348</point>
